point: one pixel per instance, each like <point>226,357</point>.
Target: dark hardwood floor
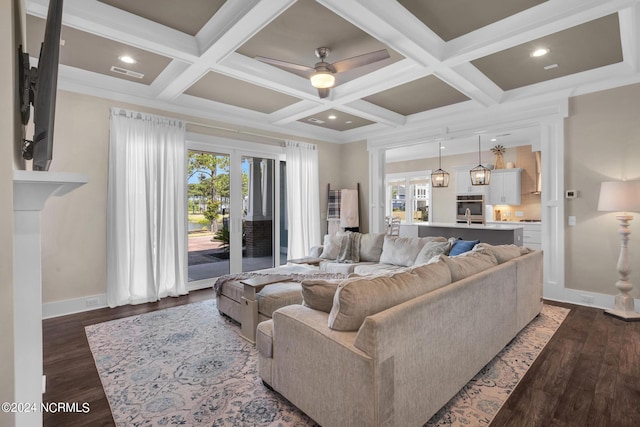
<point>588,374</point>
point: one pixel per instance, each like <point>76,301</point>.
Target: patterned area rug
<point>188,366</point>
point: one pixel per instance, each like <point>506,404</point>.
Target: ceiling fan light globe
<point>322,79</point>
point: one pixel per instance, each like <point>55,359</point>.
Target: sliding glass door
<point>235,203</point>
<point>208,213</point>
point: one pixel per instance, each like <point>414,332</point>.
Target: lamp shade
<point>619,196</point>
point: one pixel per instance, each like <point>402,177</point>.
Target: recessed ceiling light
<point>127,59</point>
<point>539,52</point>
<point>493,139</point>
<point>332,117</point>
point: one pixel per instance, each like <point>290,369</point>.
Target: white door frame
<point>236,150</point>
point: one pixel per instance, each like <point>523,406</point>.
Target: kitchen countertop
<point>491,226</point>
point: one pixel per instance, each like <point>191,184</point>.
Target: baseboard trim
<point>72,306</point>
<point>589,299</point>
<point>94,302</point>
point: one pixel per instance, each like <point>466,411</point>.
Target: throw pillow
<point>331,246</point>
<point>461,246</point>
<point>403,250</point>
<point>469,263</point>
<point>371,246</point>
<point>431,249</point>
<point>503,253</point>
<point>318,293</point>
<point>359,297</point>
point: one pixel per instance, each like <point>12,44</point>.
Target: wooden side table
<point>249,302</point>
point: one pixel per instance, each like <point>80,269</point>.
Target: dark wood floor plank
<point>587,375</point>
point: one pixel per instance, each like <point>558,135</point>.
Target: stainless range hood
<point>538,173</point>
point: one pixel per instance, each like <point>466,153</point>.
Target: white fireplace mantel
<point>31,190</point>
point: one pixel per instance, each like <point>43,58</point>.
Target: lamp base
<point>629,316</point>
<point>624,308</point>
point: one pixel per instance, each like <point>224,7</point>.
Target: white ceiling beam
<point>542,20</point>
<point>630,36</point>
<point>296,111</point>
<point>372,112</point>
<point>572,82</point>
<point>393,25</point>
<point>470,81</point>
<point>98,18</point>
<point>247,24</point>
<point>259,73</point>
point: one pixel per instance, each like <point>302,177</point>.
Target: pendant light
<point>480,175</point>
<point>439,178</point>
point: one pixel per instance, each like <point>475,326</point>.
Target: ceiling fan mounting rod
<point>323,53</point>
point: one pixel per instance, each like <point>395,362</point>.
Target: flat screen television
<point>38,86</point>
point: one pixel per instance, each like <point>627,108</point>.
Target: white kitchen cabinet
<point>505,187</point>
<point>463,183</point>
<point>532,235</point>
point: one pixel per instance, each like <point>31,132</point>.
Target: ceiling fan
<point>322,74</point>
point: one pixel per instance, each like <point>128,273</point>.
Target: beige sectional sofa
<point>377,253</point>
<point>391,349</point>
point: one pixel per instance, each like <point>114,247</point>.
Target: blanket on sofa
<point>295,277</point>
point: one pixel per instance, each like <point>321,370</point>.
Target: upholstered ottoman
<point>251,298</point>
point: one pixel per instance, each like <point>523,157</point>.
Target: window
<point>408,196</point>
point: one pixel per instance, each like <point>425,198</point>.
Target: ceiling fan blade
<point>323,92</point>
<point>359,61</point>
<point>284,64</point>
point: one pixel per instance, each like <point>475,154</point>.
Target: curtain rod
<point>259,135</point>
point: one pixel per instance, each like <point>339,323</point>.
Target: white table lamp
<point>624,197</point>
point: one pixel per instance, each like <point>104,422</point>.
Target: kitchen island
<point>493,234</point>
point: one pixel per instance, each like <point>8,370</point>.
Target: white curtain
<point>303,198</point>
<point>146,223</point>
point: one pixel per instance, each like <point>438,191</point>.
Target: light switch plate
<point>572,220</point>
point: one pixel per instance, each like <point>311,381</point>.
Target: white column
<point>254,210</point>
<point>377,159</point>
<point>30,192</point>
<point>267,189</point>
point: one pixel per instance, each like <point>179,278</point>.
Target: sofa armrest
<point>319,370</point>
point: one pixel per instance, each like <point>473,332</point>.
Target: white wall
<point>11,36</point>
<point>602,144</point>
<point>74,227</point>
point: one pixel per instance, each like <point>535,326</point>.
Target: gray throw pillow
<point>403,250</point>
<point>371,246</point>
<point>431,249</point>
<point>318,293</point>
<point>359,297</point>
<point>331,246</point>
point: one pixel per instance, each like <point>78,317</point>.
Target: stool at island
<point>31,190</point>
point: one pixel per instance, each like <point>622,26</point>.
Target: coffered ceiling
<point>198,57</point>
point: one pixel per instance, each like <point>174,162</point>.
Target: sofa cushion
<point>377,268</point>
<point>278,295</point>
<point>264,338</point>
<point>461,246</point>
<point>340,267</point>
<point>503,253</point>
<point>371,246</point>
<point>359,297</point>
<point>331,246</point>
<point>468,263</point>
<point>431,249</point>
<point>318,293</point>
<point>404,250</point>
